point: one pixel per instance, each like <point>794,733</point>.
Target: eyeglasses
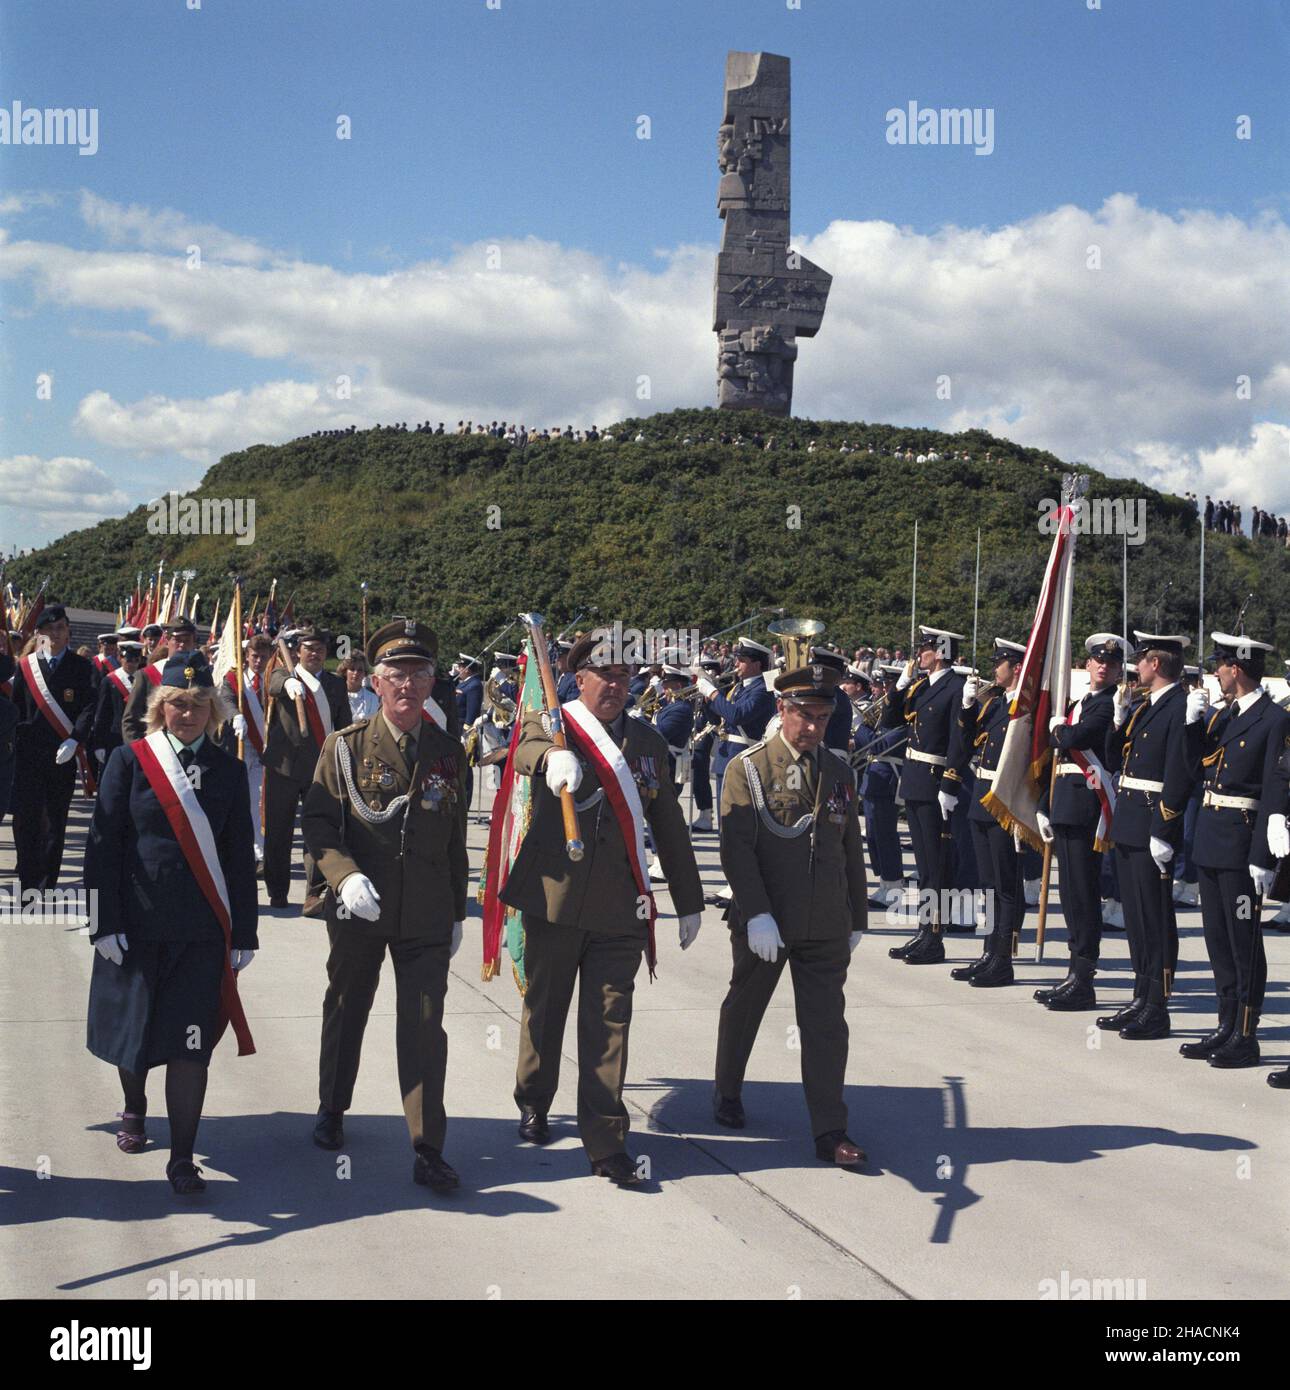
<point>402,678</point>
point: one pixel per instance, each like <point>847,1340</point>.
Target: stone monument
<point>765,296</point>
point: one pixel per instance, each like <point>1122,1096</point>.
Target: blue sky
<point>476,126</point>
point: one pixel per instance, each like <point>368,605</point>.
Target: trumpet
<point>690,692</point>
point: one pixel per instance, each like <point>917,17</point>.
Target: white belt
<point>1140,784</point>
<point>1073,769</point>
<point>920,757</point>
<point>735,738</point>
<point>986,774</point>
<point>1234,803</point>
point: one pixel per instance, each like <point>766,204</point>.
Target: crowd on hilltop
<point>1226,517</point>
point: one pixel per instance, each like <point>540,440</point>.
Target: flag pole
<point>976,597</point>
<point>235,621</point>
<point>913,595</point>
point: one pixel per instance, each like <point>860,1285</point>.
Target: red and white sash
<point>171,787</point>
<point>593,742</point>
<point>251,705</point>
<point>153,671</point>
<point>55,715</point>
<point>317,710</point>
<point>1098,780</point>
<point>121,683</point>
<point>433,711</point>
<point>106,663</point>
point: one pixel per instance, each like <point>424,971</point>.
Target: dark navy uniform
<point>567,688</point>
<point>469,697</point>
<point>1156,776</point>
<point>1072,806</point>
<point>744,716</point>
<point>1240,747</point>
<point>42,792</point>
<point>675,721</point>
<point>878,793</point>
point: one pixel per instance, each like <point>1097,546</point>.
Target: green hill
<point>666,533</point>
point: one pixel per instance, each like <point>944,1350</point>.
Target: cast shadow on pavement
<point>918,1133</point>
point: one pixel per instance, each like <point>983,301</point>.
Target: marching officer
<point>180,636</point>
<point>588,922</point>
<point>983,726</point>
<point>115,687</point>
<point>385,820</point>
<point>1069,819</point>
<point>1239,747</point>
<point>746,711</point>
<point>1147,744</point>
<point>703,741</point>
<point>291,755</point>
<point>53,690</point>
<point>793,854</point>
<point>929,706</point>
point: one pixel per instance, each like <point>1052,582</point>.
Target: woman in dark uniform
<point>171,855</point>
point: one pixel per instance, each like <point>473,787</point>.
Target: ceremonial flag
<point>29,619</point>
<point>230,643</point>
<point>1043,687</point>
<point>512,813</point>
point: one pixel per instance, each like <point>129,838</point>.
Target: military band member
<point>1068,819</point>
<point>702,742</point>
<point>588,922</point>
<point>1186,887</point>
<point>928,705</point>
<point>1239,746</point>
<point>674,719</point>
<point>983,726</point>
<point>469,694</point>
<point>837,737</point>
<point>880,758</point>
<point>566,687</point>
<point>745,712</point>
<point>115,687</point>
<point>1146,743</point>
<point>385,819</point>
<point>793,854</point>
<point>506,668</point>
<point>53,690</point>
<point>169,859</point>
<point>291,756</point>
<point>180,636</point>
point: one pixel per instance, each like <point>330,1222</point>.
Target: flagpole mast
<point>235,620</point>
<point>913,596</point>
<point>976,597</point>
<point>1200,622</point>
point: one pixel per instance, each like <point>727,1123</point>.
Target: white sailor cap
<point>1238,648</point>
<point>945,642</point>
<point>1107,646</point>
<point>127,630</point>
<point>1160,642</point>
<point>745,646</point>
<point>670,670</point>
<point>1008,651</point>
<point>465,659</point>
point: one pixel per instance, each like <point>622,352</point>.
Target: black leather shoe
<point>618,1168</point>
<point>996,972</point>
<point>430,1170</point>
<point>1046,992</point>
<point>1152,1021</point>
<point>901,951</point>
<point>1209,1043</point>
<point>1072,996</point>
<point>1280,1079</point>
<point>1240,1050</point>
<point>928,950</point>
<point>837,1147</point>
<point>727,1112</point>
<point>966,972</point>
<point>329,1130</point>
<point>533,1126</point>
<point>1112,1023</point>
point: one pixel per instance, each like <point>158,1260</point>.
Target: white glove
<point>101,754</point>
<point>1197,704</point>
<point>689,928</point>
<point>111,948</point>
<point>562,770</point>
<point>66,751</point>
<point>970,688</point>
<point>239,725</point>
<point>1045,827</point>
<point>1120,707</point>
<point>360,897</point>
<point>457,929</point>
<point>1055,721</point>
<point>1161,851</point>
<point>706,688</point>
<point>1278,837</point>
<point>1262,879</point>
<point>854,940</point>
<point>764,939</point>
<point>905,677</point>
<point>240,957</point>
<point>293,689</point>
<point>947,803</point>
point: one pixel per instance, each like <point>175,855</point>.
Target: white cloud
<point>15,204</point>
<point>1133,367</point>
<point>41,498</point>
<point>164,230</point>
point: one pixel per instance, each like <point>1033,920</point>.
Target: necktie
<point>408,747</point>
<point>186,756</point>
<point>807,764</point>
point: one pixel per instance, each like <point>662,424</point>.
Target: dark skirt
<point>161,1004</point>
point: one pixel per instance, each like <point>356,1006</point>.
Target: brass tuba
<point>798,636</point>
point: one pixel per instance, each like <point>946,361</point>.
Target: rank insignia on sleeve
<point>546,724</point>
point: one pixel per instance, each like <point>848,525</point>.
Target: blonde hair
<point>219,714</point>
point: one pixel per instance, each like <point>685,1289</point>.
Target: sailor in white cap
<point>746,711</point>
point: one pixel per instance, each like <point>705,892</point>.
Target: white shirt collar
<point>748,680</point>
<point>1164,690</point>
<point>934,676</point>
<point>1247,700</point>
<point>793,753</point>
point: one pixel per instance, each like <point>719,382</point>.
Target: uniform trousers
<point>1149,920</point>
<point>1233,937</point>
<point>1079,867</point>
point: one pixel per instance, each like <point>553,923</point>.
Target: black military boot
<point>929,949</point>
<point>966,972</point>
<point>1241,1048</point>
<point>1280,1079</point>
<point>1211,1042</point>
<point>1046,992</point>
<point>1112,1023</point>
<point>1151,1021</point>
<point>1077,992</point>
<point>997,971</point>
<point>901,951</point>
